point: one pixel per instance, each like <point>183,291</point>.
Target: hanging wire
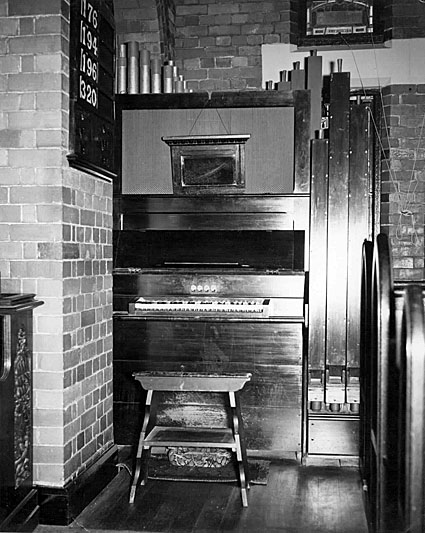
<point>404,200</point>
<point>219,116</point>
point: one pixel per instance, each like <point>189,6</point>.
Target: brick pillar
<point>403,178</point>
<point>55,241</point>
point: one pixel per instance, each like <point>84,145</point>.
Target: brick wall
<point>218,44</point>
<point>55,241</point>
<point>149,22</point>
<point>403,178</point>
<point>406,19</point>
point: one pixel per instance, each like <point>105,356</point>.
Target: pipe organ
<point>259,281</point>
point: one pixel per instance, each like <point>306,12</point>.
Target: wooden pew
<point>392,394</point>
<point>411,426</point>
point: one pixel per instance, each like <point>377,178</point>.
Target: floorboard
<point>296,499</point>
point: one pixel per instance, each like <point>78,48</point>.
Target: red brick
<point>9,64</point>
<point>11,250</point>
<point>215,20</point>
<point>182,10</point>
<point>250,50</point>
<point>49,138</point>
<point>9,26</point>
<point>214,85</point>
<point>204,41</point>
<point>27,63</point>
<point>257,29</point>
<point>35,44</point>
<point>49,157</point>
<point>238,84</point>
<point>51,100</point>
<point>223,62</point>
<point>34,82</point>
<point>220,51</point>
<point>40,7</point>
<point>220,8</point>
<point>48,25</point>
<point>271,39</point>
<point>259,18</point>
<point>224,30</point>
<point>239,61</point>
<point>194,54</point>
<point>27,119</point>
<point>239,40</point>
<point>223,41</point>
<point>10,138</point>
<point>197,74</point>
<point>254,39</point>
<point>48,63</point>
<point>26,26</point>
<point>35,195</point>
<point>192,31</point>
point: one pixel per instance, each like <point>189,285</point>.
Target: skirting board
<point>60,506</point>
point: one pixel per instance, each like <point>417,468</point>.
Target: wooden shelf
<point>196,437</point>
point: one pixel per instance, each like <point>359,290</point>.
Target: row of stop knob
<point>203,288</point>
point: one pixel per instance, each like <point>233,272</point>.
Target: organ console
<point>212,279</point>
<point>227,298</point>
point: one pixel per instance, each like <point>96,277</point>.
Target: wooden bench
<point>152,435</point>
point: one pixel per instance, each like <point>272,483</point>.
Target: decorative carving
<point>23,418</point>
<point>199,457</point>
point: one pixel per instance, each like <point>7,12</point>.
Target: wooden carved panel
<point>22,413</point>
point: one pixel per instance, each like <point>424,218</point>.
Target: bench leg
<point>240,448</point>
<point>143,452</point>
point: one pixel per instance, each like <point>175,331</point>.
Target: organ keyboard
<point>201,306</point>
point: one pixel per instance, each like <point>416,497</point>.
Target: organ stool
<point>152,435</point>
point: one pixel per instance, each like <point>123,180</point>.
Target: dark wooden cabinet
<point>18,497</point>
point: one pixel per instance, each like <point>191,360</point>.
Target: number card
<point>92,45</point>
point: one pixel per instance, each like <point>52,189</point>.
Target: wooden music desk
<point>197,437</point>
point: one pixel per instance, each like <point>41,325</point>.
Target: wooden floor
<point>296,499</point>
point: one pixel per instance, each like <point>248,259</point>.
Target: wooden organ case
<point>326,187</point>
<point>213,282</point>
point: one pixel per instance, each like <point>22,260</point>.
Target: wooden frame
<point>353,39</point>
<point>299,100</point>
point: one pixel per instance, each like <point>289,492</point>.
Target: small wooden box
<point>207,164</point>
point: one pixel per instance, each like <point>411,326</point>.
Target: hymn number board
<point>92,63</point>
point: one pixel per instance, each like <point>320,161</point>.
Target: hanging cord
<point>375,126</point>
<point>219,116</point>
<point>404,200</point>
